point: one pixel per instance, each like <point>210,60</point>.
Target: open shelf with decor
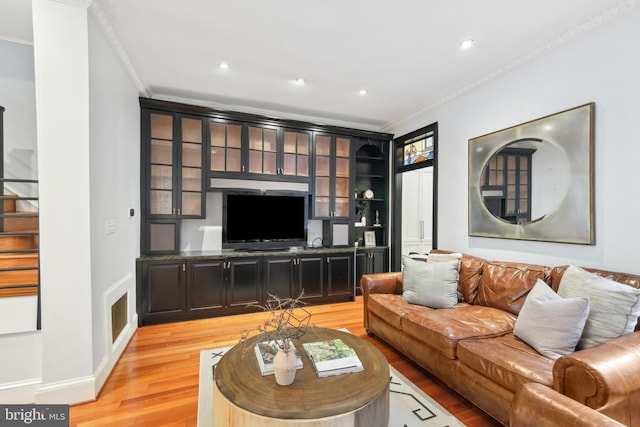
<point>371,212</point>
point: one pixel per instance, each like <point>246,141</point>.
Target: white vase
<point>363,221</point>
<point>284,367</point>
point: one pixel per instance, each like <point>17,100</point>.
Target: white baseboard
<point>72,391</point>
<point>20,393</point>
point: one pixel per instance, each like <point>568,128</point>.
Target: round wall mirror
<point>525,180</point>
<point>546,192</point>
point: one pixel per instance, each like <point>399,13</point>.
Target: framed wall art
<point>534,181</point>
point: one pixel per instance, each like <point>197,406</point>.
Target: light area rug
<point>409,406</point>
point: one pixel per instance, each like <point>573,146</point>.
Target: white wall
<point>115,187</point>
<point>62,104</point>
<point>601,66</point>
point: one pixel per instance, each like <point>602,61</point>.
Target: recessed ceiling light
<point>466,44</point>
<point>223,65</point>
<point>299,80</point>
<point>362,92</point>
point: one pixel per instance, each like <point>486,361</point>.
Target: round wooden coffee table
<point>243,397</point>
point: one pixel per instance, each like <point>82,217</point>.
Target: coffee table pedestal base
<point>374,414</point>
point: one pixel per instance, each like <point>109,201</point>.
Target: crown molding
<point>98,11</point>
<point>590,24</point>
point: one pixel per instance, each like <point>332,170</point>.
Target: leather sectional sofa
<point>472,348</point>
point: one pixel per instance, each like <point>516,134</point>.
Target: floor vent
<point>118,317</point>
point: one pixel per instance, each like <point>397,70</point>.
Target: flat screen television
<point>264,220</point>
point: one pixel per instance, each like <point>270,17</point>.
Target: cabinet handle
<point>173,212</point>
<point>184,268</point>
<point>242,168</point>
<point>421,230</point>
<point>179,211</point>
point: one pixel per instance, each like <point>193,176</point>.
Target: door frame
<point>398,169</point>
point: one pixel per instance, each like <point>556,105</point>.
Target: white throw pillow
<point>430,284</point>
<point>552,325</point>
<point>615,307</point>
<point>436,257</point>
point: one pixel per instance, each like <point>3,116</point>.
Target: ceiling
<point>405,53</point>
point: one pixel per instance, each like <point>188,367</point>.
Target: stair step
<point>20,223</point>
<point>18,260</point>
<point>18,277</point>
<point>18,242</point>
<point>18,292</point>
<point>9,205</point>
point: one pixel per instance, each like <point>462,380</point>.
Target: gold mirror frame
<point>572,131</point>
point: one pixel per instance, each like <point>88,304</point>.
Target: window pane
<point>192,130</point>
<point>161,152</point>
<point>323,146</point>
<point>192,155</point>
<point>161,202</point>
<point>191,203</point>
<point>234,136</point>
<point>161,126</point>
<point>342,147</point>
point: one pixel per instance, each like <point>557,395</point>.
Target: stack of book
<point>266,351</point>
<point>332,357</point>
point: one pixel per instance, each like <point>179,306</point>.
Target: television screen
<point>264,220</point>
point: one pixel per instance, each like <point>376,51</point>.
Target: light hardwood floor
<point>155,382</point>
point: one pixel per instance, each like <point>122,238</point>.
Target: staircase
<point>19,242</point>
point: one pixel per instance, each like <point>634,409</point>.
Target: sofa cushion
<point>507,361</point>
<point>614,307</point>
<point>469,280</point>
<point>432,284</point>
<point>392,308</point>
<point>549,323</point>
<point>442,329</point>
<point>505,285</point>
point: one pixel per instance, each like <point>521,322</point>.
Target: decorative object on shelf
<point>362,209</point>
<point>357,191</point>
<point>286,321</point>
<point>560,166</point>
<point>368,194</point>
<point>377,224</point>
<point>369,238</point>
<point>358,241</point>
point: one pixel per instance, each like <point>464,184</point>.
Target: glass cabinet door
<point>161,179</point>
<point>332,161</point>
<point>343,172</point>
<point>322,180</point>
<point>191,195</point>
<point>295,157</point>
<point>226,146</point>
<point>263,150</point>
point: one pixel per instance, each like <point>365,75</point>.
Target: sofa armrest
<point>605,375</point>
<point>378,283</point>
<point>381,283</point>
<point>536,405</point>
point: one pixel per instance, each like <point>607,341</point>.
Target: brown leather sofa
<point>473,350</point>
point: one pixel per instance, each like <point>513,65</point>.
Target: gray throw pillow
<point>614,306</point>
<point>552,325</point>
<point>430,284</point>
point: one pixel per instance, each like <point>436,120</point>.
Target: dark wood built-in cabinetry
<point>205,286</point>
<point>172,177</point>
<point>188,150</point>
